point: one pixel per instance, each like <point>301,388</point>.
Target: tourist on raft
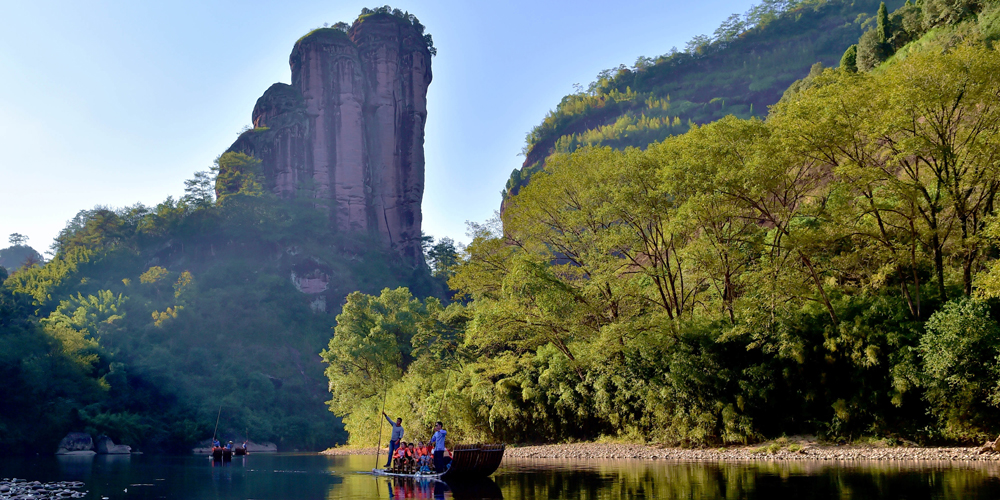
<point>395,438</point>
<point>437,440</point>
<point>403,460</point>
<point>424,454</point>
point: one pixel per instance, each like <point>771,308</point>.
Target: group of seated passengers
<point>410,459</point>
<point>228,446</point>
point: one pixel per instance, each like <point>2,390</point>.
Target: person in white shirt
<point>438,441</point>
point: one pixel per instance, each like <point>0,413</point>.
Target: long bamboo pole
<point>216,431</point>
<point>385,392</point>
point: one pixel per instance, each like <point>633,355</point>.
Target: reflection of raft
<point>475,460</point>
<point>417,475</point>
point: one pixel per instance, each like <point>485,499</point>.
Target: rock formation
<point>105,446</point>
<point>76,443</point>
<point>349,131</point>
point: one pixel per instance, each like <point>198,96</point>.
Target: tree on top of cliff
<point>401,15</point>
<point>341,28</point>
<point>17,239</point>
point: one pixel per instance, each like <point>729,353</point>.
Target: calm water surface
<point>298,476</point>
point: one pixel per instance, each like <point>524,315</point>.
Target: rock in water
<point>106,446</point>
<point>349,131</point>
<point>75,442</point>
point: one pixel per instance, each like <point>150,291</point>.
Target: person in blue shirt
<point>216,443</point>
<point>438,441</point>
<point>395,438</point>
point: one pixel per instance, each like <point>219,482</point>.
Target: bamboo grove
<point>831,270</point>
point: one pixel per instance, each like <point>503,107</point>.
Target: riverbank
<point>771,451</point>
<point>15,489</point>
<point>781,449</point>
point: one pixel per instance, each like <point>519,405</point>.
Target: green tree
<point>883,28</point>
<point>935,189</point>
<point>238,173</point>
<point>153,275</point>
<point>960,167</point>
<point>200,191</point>
<point>97,315</point>
<point>959,352</point>
<point>442,257</point>
<point>849,61</point>
<point>948,12</point>
<point>872,51</point>
<point>370,349</point>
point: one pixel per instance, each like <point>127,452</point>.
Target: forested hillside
<point>740,69</point>
<point>152,325</point>
<point>149,319</point>
<point>830,269</point>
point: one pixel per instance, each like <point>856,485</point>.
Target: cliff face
<point>349,131</point>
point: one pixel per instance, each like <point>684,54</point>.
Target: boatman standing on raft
<point>394,440</point>
<point>438,441</point>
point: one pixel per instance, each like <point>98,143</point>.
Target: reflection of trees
<point>625,480</point>
<point>478,489</point>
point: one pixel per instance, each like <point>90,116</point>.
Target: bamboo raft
<point>468,461</point>
<point>220,454</point>
<point>475,460</point>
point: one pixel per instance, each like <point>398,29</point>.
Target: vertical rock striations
<point>349,131</point>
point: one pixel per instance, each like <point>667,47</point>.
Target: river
<point>310,476</point>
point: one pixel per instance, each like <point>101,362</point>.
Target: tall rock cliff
<point>349,131</point>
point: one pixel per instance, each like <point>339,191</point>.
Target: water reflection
<point>398,488</point>
<point>278,477</point>
<point>75,467</point>
<point>420,489</point>
<point>612,480</point>
<point>485,489</point>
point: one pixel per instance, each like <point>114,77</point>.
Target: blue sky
<point>113,103</point>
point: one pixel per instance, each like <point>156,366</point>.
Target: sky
<point>114,103</point>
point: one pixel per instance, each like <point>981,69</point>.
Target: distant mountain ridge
<point>15,256</point>
<point>741,70</point>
